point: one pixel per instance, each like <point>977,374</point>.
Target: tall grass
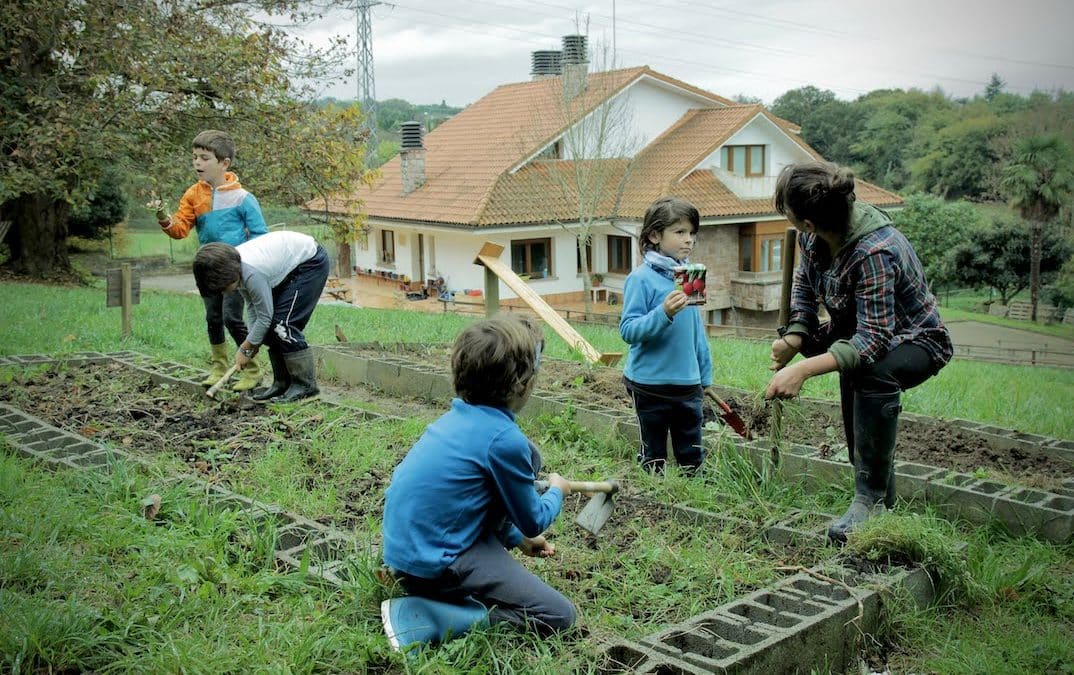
<point>87,584</point>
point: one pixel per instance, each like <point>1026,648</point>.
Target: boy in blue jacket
<point>669,364</point>
<point>220,210</point>
<point>464,494</point>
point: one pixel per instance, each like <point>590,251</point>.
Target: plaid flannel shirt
<point>874,290</point>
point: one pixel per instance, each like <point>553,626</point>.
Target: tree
<point>994,88</point>
<point>798,105</point>
<point>107,206</point>
<point>1038,182</point>
<point>125,85</point>
<point>588,166</point>
<point>997,257</point>
<point>936,228</point>
<point>955,151</point>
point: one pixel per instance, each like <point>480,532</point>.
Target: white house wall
<point>648,109</point>
<point>455,252</point>
<point>779,151</point>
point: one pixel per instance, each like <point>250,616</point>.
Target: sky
<point>429,51</point>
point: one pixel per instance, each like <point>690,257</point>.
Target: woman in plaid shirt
<point>884,336</point>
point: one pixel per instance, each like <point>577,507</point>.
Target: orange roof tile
<point>468,159</point>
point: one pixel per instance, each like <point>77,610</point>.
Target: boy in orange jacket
<point>220,210</point>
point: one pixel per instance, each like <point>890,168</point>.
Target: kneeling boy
<point>465,494</point>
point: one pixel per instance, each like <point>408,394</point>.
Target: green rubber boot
<point>249,377</point>
<point>218,365</point>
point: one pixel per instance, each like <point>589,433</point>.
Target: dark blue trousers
<point>293,302</point>
<point>683,419</point>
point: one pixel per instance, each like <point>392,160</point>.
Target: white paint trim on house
<point>649,113</point>
<point>780,151</point>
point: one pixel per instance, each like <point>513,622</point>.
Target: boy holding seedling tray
<point>669,364</point>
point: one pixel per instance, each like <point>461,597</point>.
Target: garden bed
<point>650,566</point>
<point>1008,456</point>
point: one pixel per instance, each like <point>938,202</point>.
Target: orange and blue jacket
<point>227,214</point>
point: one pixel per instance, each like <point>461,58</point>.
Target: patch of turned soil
<point>935,444</point>
<point>120,407</point>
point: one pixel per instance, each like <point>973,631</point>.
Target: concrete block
<point>1062,449</point>
<point>799,528</point>
<point>295,536</point>
<point>623,656</point>
<point>911,479</point>
<point>959,495</point>
<point>712,641</point>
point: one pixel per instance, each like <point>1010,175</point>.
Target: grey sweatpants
<point>490,574</point>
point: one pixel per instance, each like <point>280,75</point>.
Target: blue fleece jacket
<point>470,471</point>
<point>662,350</point>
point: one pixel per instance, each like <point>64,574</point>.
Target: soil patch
<point>936,443</point>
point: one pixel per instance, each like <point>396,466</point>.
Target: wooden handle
<point>607,487</point>
<point>219,383</point>
<point>790,243</point>
<point>717,400</point>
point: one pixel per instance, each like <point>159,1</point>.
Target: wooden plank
<point>489,256</point>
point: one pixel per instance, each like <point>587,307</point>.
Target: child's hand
<point>537,547</point>
<point>157,205</point>
<point>674,303</point>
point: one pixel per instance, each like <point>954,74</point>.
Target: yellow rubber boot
<point>249,377</point>
<point>217,365</point>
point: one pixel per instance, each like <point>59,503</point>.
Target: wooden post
<point>125,297</point>
<point>123,291</point>
<point>489,257</point>
<point>492,293</point>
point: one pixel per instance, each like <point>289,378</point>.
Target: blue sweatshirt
<point>470,471</point>
<point>662,350</point>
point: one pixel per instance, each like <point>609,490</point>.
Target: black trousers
<point>224,311</point>
<point>682,418</point>
<point>904,367</point>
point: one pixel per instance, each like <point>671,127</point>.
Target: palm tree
<point>1038,182</point>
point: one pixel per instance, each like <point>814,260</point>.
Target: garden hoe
<point>211,393</point>
<point>598,509</point>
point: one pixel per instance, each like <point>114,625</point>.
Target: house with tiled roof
<point>496,172</point>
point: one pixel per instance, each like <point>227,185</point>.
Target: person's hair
<point>662,214</point>
<point>216,266</point>
<point>820,192</point>
<point>216,142</point>
<point>495,359</point>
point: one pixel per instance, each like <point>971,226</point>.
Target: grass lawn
<point>88,584</point>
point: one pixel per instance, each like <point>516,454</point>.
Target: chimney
<point>546,64</point>
<point>411,156</point>
<point>575,65</point>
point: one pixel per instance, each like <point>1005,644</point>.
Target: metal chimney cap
<point>546,62</point>
<point>575,49</point>
<point>410,135</point>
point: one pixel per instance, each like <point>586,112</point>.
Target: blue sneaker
<point>412,621</point>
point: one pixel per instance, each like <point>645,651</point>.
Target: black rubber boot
<point>281,379</point>
<point>303,370</point>
<point>876,419</point>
